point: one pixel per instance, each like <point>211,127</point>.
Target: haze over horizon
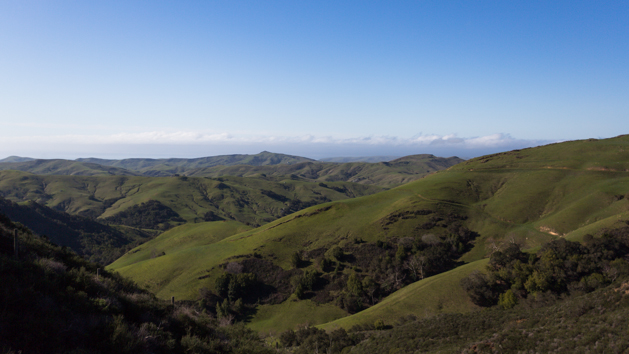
<point>314,79</point>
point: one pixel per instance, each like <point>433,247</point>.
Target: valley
<point>278,248</point>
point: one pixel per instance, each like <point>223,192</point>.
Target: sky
<point>119,79</point>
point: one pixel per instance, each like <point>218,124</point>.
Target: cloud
<point>190,137</point>
<point>194,142</point>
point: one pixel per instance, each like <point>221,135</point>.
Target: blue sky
<point>314,78</point>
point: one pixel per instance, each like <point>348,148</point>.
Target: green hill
<point>372,159</point>
<point>429,297</point>
<point>16,159</point>
<point>386,174</point>
<point>65,167</point>
<point>93,240</point>
<point>168,167</point>
<point>248,200</point>
<point>528,197</point>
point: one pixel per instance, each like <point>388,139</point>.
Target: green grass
<point>181,238</point>
<point>441,293</point>
<point>274,319</point>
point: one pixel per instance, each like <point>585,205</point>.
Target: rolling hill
<point>248,200</point>
<point>97,242</point>
<point>527,196</point>
<point>385,174</point>
<point>65,167</point>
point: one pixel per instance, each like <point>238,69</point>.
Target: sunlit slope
<point>291,314</point>
<point>182,237</point>
<point>529,196</point>
<point>441,293</point>
<point>248,200</point>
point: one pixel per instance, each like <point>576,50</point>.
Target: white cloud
<point>191,137</point>
<point>194,143</point>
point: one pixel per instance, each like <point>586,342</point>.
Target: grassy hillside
<point>386,174</point>
<point>527,197</point>
<point>252,201</point>
<point>16,159</point>
<point>65,167</point>
<point>372,159</point>
<point>429,297</point>
<point>167,167</point>
<point>182,237</point>
<point>278,166</point>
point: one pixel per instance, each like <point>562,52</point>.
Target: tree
<point>371,287</point>
<point>507,300</point>
<point>337,253</point>
<point>295,260</point>
<point>354,285</point>
<point>417,264</point>
<point>222,284</point>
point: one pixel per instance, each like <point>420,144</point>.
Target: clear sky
<point>313,78</point>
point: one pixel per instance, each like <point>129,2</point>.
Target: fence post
<point>97,273</point>
<point>15,242</point>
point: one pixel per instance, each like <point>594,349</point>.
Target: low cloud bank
<point>195,144</point>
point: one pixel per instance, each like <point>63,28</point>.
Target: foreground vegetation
<point>567,298</point>
<point>53,301</point>
<point>95,241</point>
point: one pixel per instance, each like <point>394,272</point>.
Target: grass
<point>425,298</point>
<point>274,319</point>
<point>181,238</point>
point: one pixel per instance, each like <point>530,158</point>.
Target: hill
<point>168,167</point>
<point>252,201</point>
<point>527,197</point>
<point>439,294</point>
<point>370,159</point>
<point>54,301</point>
<point>65,167</point>
<point>97,242</point>
<point>385,174</point>
<point>16,159</point>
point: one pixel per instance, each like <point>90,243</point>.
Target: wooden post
<point>172,300</point>
<point>15,242</point>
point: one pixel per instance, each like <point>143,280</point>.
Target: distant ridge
<point>16,159</point>
<point>264,164</point>
<point>262,159</point>
<point>66,168</point>
<point>371,159</point>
